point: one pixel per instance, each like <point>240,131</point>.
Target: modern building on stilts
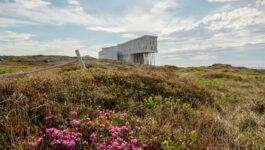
<point>140,50</point>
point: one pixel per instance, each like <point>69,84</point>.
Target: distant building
<point>140,50</point>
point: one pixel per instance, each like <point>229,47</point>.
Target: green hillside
<point>111,105</point>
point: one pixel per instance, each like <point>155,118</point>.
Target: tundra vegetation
<point>125,106</point>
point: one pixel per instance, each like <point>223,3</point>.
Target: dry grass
<point>224,105</point>
<point>239,101</point>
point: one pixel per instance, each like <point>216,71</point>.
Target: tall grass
<point>170,106</point>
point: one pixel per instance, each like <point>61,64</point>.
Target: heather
<point>125,106</point>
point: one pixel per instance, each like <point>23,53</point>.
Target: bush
<point>223,76</point>
<point>163,102</point>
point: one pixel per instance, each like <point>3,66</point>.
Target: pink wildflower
<point>100,117</point>
<point>49,117</point>
<point>73,113</point>
<point>40,139</point>
<point>93,137</point>
<point>102,125</point>
<point>75,122</point>
<point>34,143</point>
<point>144,145</point>
<point>88,123</point>
<point>117,129</point>
<point>85,143</point>
<point>87,118</point>
<point>124,128</point>
<point>138,120</point>
<point>134,141</point>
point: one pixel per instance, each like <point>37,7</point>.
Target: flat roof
<point>109,47</point>
<point>144,36</point>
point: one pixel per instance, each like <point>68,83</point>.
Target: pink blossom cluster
<point>49,117</point>
<point>64,138</point>
<point>53,116</point>
<point>122,114</point>
<point>74,113</point>
<point>75,122</point>
<point>86,118</point>
<point>104,113</point>
<point>36,141</point>
<point>107,132</point>
<point>116,142</point>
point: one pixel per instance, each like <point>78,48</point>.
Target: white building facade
<point>140,50</point>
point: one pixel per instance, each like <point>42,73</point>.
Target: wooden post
<point>82,65</point>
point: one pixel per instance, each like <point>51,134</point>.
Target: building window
<point>151,47</point>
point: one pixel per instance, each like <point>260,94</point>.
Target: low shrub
<point>164,103</point>
<point>223,76</point>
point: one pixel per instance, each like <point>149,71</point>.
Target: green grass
<point>209,83</point>
<point>223,76</point>
<point>239,101</point>
<point>195,107</point>
<point>252,72</point>
<point>191,69</point>
<point>12,70</point>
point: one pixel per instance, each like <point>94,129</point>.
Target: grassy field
<point>239,101</point>
<point>127,106</point>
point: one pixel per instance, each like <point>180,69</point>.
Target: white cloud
<point>260,2</point>
<point>155,20</point>
<point>130,35</point>
<point>107,29</point>
<point>94,49</point>
<point>13,36</point>
<point>41,12</point>
<point>171,57</point>
<point>236,19</point>
<point>203,57</point>
<point>73,2</point>
<point>8,22</point>
<point>220,0</point>
<point>163,5</point>
<point>31,47</point>
<point>21,44</point>
<point>32,3</point>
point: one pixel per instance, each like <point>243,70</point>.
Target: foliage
<point>194,108</point>
<point>11,70</point>
<point>107,130</point>
<point>88,70</point>
<point>224,76</point>
<point>239,102</point>
<point>210,83</point>
<point>191,69</point>
<point>171,67</point>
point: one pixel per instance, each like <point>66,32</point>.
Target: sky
<point>190,32</point>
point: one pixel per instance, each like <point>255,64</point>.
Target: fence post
<point>82,65</point>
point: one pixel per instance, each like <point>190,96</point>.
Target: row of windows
<point>138,44</point>
<point>140,48</point>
